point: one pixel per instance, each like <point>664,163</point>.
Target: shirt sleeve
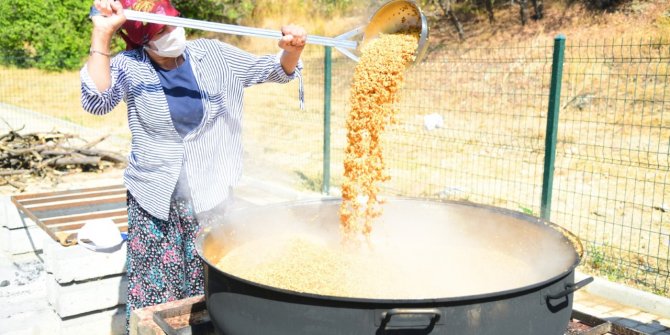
<point>251,69</point>
<point>100,103</point>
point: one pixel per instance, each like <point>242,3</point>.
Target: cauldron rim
<point>521,290</point>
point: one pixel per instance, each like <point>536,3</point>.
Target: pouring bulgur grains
<point>304,263</point>
<point>377,80</point>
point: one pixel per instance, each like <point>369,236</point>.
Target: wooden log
<point>94,142</point>
<point>13,172</point>
<point>65,161</point>
<point>105,155</point>
<point>16,185</point>
<point>47,162</point>
<point>37,155</point>
<point>23,151</point>
<point>55,153</point>
<point>114,158</point>
<point>49,136</point>
<point>77,155</point>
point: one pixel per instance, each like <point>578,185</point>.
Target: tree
<point>445,5</point>
<point>228,11</point>
<point>523,11</point>
<point>489,10</point>
<point>538,7</point>
<point>47,34</point>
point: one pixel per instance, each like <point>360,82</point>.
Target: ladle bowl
<point>399,16</point>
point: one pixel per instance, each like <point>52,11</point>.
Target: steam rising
<point>418,250</point>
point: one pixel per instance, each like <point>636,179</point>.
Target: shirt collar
<point>195,52</point>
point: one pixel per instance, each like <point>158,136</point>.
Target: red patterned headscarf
<point>137,33</point>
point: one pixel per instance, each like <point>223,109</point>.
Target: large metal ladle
<point>399,16</point>
<point>394,16</point>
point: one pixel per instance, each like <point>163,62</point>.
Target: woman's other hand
<point>293,39</point>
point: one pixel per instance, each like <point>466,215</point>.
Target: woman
<point>184,103</point>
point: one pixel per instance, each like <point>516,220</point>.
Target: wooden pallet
<point>61,214</point>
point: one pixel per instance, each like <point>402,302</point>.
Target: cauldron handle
<point>434,314</point>
<point>570,288</point>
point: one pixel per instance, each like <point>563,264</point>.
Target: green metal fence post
<point>552,125</point>
<point>327,76</point>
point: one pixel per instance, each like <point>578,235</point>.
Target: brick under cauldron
<point>189,316</point>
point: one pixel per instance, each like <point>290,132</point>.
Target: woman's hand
<point>293,39</point>
<point>111,16</point>
<point>105,24</point>
<point>292,42</point>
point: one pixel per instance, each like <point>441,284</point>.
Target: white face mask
<point>171,44</point>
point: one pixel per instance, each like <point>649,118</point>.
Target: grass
<point>55,94</point>
<point>613,157</point>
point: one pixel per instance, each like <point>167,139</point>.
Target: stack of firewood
<point>49,155</point>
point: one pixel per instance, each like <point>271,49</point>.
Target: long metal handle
<point>232,29</point>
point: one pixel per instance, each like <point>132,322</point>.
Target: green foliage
<point>228,11</point>
<point>603,259</point>
<point>332,6</point>
<point>597,256</point>
<point>56,34</point>
<point>526,210</point>
<point>311,183</point>
<point>46,34</point>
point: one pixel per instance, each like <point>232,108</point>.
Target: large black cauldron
<point>540,307</point>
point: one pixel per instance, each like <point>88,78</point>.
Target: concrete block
<point>76,263</point>
<point>22,294</point>
<point>629,323</point>
<point>651,328</point>
<point>83,297</point>
<point>44,321</point>
<point>108,322</point>
<point>22,240</point>
<point>627,296</point>
<point>10,216</point>
<point>22,284</point>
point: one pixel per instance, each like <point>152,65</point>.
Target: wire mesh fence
<point>472,126</point>
<point>612,158</point>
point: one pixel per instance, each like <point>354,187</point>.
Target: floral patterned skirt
<point>162,263</point>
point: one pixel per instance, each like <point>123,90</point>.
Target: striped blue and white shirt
<point>211,154</point>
